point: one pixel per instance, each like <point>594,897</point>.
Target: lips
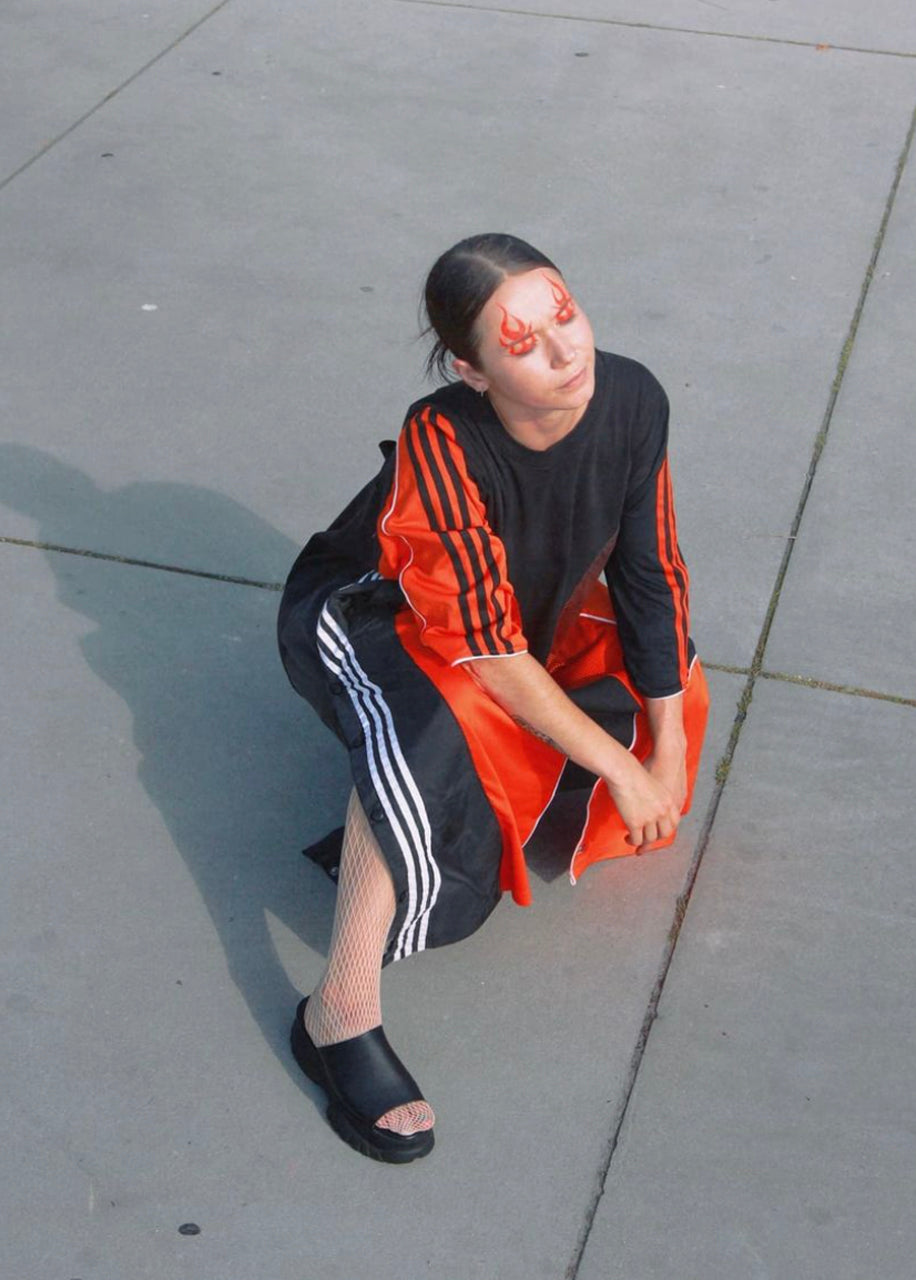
<point>575,381</point>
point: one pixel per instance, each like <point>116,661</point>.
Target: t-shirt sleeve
<point>646,573</point>
<point>435,539</point>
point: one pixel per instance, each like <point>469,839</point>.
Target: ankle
<point>333,1014</point>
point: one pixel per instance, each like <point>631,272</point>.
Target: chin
<point>580,396</point>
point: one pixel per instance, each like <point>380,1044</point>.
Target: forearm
<point>524,689</point>
<point>532,697</point>
<point>666,723</point>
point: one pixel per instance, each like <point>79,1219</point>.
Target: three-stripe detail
<point>444,489</point>
<point>395,786</point>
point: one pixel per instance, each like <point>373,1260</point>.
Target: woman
<point>452,629</point>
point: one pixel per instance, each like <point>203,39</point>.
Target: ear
<point>473,377</point>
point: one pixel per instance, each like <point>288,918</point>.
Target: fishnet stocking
<point>347,1000</point>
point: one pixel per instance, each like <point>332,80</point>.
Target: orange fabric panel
<point>518,771</point>
<point>605,835</point>
<point>435,540</point>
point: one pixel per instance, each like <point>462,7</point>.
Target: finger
<point>655,833</point>
<point>649,836</point>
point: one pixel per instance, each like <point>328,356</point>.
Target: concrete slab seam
<point>658,26</point>
<point>809,682</point>
<point>142,564</point>
<point>828,686</point>
<point>724,765</point>
<point>820,439</point>
<point>814,682</point>
<point>112,93</point>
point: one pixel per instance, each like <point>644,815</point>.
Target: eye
<point>523,346</point>
<point>515,336</point>
<point>567,312</point>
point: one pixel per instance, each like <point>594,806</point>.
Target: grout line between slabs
<point>821,46</point>
<point>140,564</point>
<point>724,765</point>
<point>813,682</point>
<point>809,682</point>
<point>112,93</point>
<point>828,686</point>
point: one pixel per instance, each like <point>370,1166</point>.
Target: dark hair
<point>459,286</point>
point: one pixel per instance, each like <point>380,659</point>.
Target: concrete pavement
<point>214,222</point>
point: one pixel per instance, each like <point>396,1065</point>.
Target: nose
<point>562,350</point>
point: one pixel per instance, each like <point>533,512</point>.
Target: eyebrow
<point>515,333</point>
<point>561,295</point>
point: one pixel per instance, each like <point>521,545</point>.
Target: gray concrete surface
<point>214,220</point>
<point>843,615</point>
<point>772,1128</point>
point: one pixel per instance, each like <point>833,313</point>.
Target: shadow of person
<point>238,766</point>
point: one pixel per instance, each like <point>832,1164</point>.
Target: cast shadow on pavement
<point>241,771</point>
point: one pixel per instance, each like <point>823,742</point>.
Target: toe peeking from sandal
<point>364,1080</point>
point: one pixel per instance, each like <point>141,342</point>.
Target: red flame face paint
<point>516,337</point>
<point>566,308</point>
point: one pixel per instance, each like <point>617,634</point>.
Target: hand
<point>647,806</point>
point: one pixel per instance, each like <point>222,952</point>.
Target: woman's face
<point>536,352</point>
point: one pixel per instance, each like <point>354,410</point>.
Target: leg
<point>347,1000</point>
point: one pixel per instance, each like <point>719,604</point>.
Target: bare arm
<point>525,690</point>
<point>668,761</point>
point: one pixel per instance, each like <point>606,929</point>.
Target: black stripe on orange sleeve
<point>436,471</point>
<point>496,577</point>
<point>481,594</point>
<point>672,565</point>
<point>683,578</point>
<point>457,479</point>
<point>450,490</point>
<point>493,619</point>
<point>454,556</point>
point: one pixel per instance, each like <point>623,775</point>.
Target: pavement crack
<point>820,440</point>
<point>206,574</point>
<point>754,672</point>
<point>113,93</point>
<point>813,682</point>
<point>590,19</point>
<point>851,690</point>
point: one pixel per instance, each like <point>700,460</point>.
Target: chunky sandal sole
<point>377,1144</point>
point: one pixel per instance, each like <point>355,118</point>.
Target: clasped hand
<point>651,796</point>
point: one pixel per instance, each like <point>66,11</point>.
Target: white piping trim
<point>537,821</point>
<point>588,814</point>
<point>485,657</point>
<point>667,696</point>
<point>400,536</point>
<point>588,809</point>
<point>596,617</point>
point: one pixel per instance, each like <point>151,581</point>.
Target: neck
<point>536,431</point>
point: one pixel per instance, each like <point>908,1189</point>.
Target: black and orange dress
<point>469,545</point>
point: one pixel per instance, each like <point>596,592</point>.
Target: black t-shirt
<point>464,512</point>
